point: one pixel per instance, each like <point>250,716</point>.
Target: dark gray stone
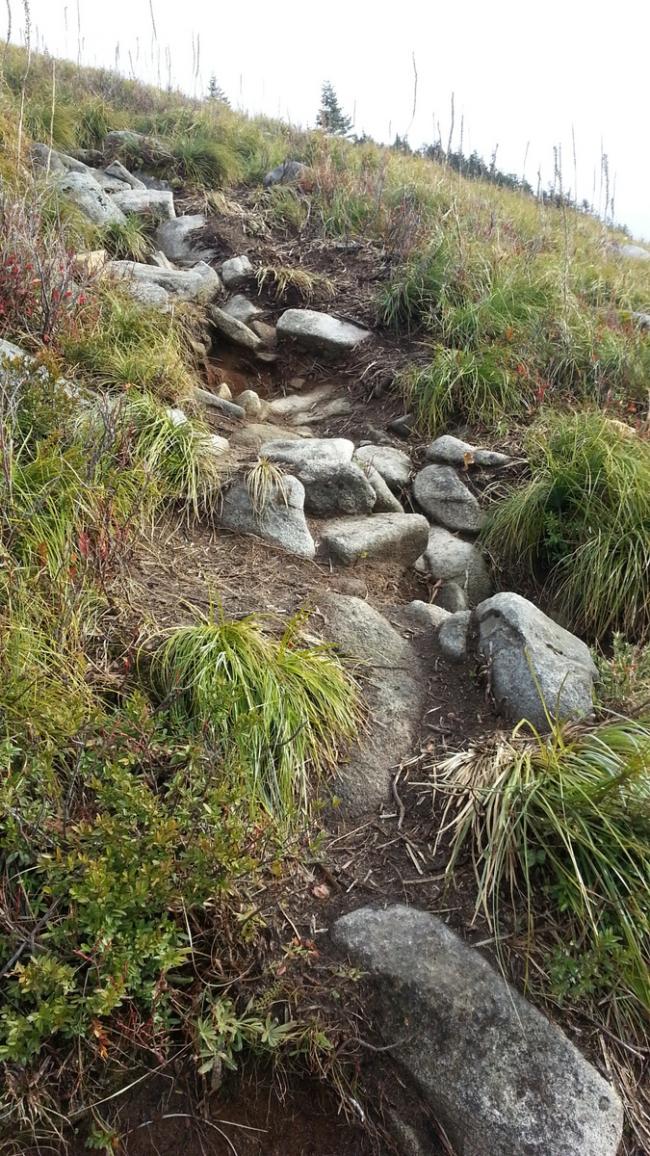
<point>500,1077</point>
<point>536,668</point>
<point>281,521</point>
<point>178,239</point>
<point>448,558</point>
<point>453,635</point>
<point>384,537</point>
<point>285,174</point>
<point>446,499</point>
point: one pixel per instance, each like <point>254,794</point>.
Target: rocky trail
<point>332,505</point>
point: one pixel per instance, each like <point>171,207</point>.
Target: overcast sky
<point>526,76</point>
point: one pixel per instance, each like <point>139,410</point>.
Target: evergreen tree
<point>216,93</point>
<point>330,115</point>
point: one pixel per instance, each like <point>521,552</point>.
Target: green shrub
<point>202,160</point>
<point>277,709</point>
<point>581,525</point>
<point>562,822</point>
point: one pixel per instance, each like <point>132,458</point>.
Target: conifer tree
<point>216,93</point>
<point>330,115</point>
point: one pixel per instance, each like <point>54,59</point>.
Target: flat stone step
<point>320,332</point>
<point>401,537</point>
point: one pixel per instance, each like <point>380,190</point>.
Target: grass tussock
<point>286,281</point>
<point>121,343</point>
<point>580,526</point>
<point>560,828</point>
<point>277,708</point>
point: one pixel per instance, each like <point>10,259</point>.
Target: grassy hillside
<point>148,794</point>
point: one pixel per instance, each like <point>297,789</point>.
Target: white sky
<point>523,73</point>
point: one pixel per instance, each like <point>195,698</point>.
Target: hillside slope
<point>313,490</point>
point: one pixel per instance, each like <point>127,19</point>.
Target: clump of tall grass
<point>204,160</point>
<point>121,344</point>
<point>561,827</point>
<point>482,387</point>
<point>580,526</point>
<point>126,240</point>
<point>175,452</point>
<point>277,708</point>
<point>285,280</point>
<point>413,295</point>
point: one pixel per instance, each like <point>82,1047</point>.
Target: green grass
<point>177,456</point>
<point>120,343</point>
<point>126,240</point>
<point>580,526</point>
<point>482,388</point>
<point>563,824</point>
<point>277,708</point>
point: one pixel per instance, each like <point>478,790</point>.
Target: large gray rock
<point>179,241</point>
<point>333,484</point>
<point>500,1077</point>
<point>385,537</point>
<point>236,271</point>
<point>319,332</point>
<point>642,320</point>
<point>393,686</point>
<point>450,559</point>
<point>422,615</point>
<point>234,330</point>
<point>91,200</point>
<point>393,464</point>
<point>199,284</point>
<point>281,521</point>
<point>446,499</point>
<point>118,171</point>
<point>150,202</point>
<point>298,454</point>
<point>133,144</point>
<point>285,174</point>
<point>535,666</point>
<point>240,307</point>
<point>11,352</point>
<point>635,252</point>
<point>56,162</point>
<point>107,183</point>
<point>451,451</point>
<point>340,489</point>
<point>149,295</point>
